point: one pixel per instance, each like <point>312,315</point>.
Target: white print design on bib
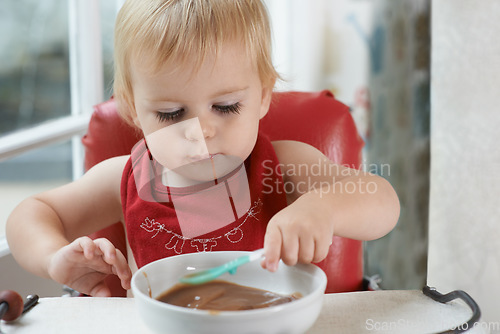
<point>177,241</point>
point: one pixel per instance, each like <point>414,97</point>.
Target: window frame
<point>86,90</point>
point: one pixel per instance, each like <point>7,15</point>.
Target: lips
<point>199,158</point>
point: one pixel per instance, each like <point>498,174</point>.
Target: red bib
<point>230,213</point>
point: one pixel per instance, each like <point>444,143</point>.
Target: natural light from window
<point>47,66</point>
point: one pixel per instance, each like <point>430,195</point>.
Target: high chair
<point>315,118</point>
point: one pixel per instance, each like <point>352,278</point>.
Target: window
<point>51,74</point>
<point>34,81</point>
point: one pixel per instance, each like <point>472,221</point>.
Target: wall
<point>464,250</point>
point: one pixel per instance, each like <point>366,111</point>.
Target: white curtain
<point>464,235</point>
<point>318,44</point>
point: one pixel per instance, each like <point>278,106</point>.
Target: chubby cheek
<point>150,126</point>
<point>145,120</point>
<point>241,142</point>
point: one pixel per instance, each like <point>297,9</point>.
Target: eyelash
<point>169,116</point>
<point>228,109</point>
<point>174,115</point>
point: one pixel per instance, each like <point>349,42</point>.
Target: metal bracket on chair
<point>371,283</point>
<point>476,312</point>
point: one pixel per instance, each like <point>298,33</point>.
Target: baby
<point>195,77</point>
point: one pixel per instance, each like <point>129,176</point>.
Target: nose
<point>207,125</point>
<point>199,129</point>
<point>208,130</point>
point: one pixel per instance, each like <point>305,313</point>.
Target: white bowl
<point>292,317</point>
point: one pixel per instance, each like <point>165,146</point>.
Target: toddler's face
<point>203,124</point>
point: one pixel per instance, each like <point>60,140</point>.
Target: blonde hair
<point>169,31</point>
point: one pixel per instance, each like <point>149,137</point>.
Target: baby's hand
<point>301,232</point>
<point>84,263</point>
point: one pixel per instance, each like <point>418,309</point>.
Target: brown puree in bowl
<point>222,296</point>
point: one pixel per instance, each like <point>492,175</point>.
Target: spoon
<point>212,273</point>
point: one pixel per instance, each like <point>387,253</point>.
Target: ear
<point>267,94</point>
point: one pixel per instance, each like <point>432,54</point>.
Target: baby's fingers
<point>117,261</point>
<point>307,249</point>
<point>322,249</point>
<point>272,248</point>
<point>106,249</point>
<point>122,270</point>
<point>86,245</point>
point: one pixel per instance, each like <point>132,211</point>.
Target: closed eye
<point>169,116</point>
<point>176,115</point>
<point>228,109</point>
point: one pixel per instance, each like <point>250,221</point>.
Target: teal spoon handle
<point>212,273</point>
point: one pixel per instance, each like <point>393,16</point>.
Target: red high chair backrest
<point>314,118</point>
